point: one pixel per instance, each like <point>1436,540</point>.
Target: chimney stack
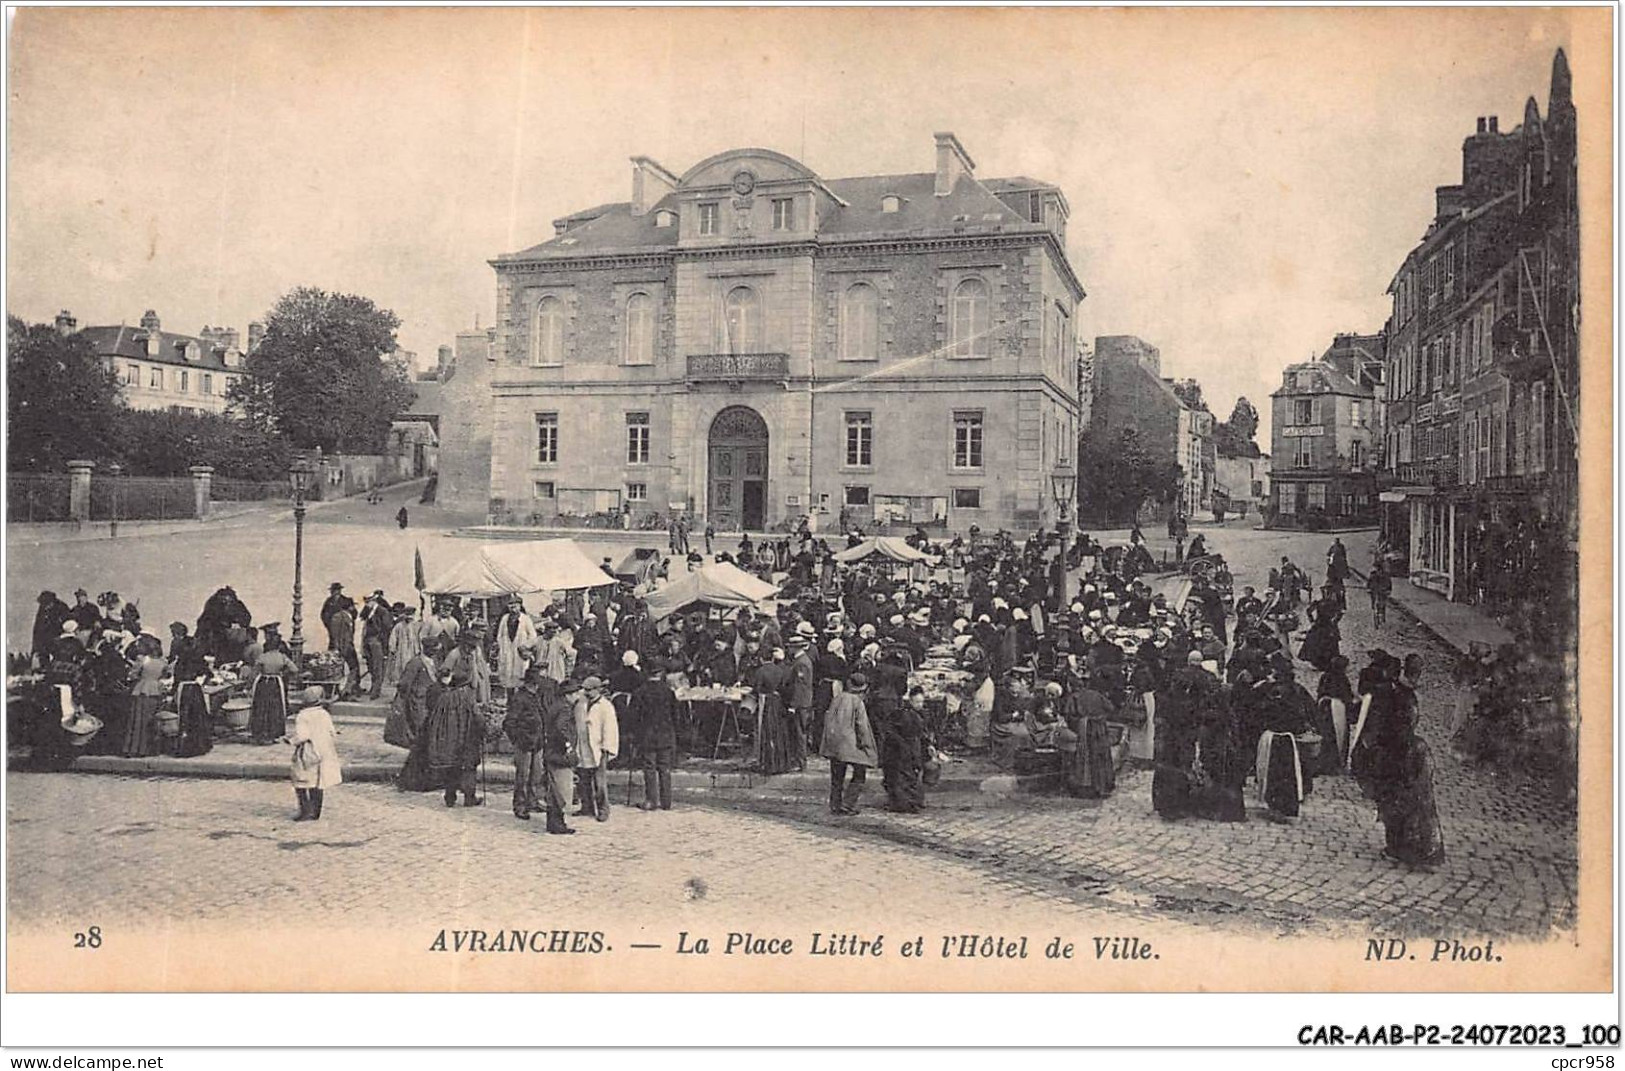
<point>444,361</point>
<point>1495,124</point>
<point>256,335</point>
<point>650,182</point>
<point>952,162</point>
<point>149,321</point>
<point>1483,124</point>
<point>65,323</point>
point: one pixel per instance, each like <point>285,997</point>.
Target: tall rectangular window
<point>860,432</point>
<point>1303,411</point>
<point>132,375</point>
<point>708,217</point>
<point>784,214</point>
<point>968,440</point>
<point>1537,428</point>
<point>637,438</point>
<point>185,383</point>
<point>1356,415</point>
<point>1303,453</point>
<point>547,438</point>
<point>1317,496</point>
<point>1484,469</point>
<point>208,383</point>
<point>1357,454</point>
<point>156,379</point>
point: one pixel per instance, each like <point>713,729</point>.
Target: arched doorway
<point>738,470</point>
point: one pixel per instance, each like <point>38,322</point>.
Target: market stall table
<point>725,701</point>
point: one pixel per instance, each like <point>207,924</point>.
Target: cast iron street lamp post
<point>1064,485</point>
<point>299,476</point>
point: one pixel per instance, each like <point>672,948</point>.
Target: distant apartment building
<point>1483,363</point>
<point>159,369</point>
<point>1325,437</point>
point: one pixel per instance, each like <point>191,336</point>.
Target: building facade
<point>1130,391</point>
<point>159,369</point>
<point>1483,362</point>
<point>1325,438</point>
<point>750,342</point>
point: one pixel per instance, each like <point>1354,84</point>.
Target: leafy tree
<point>62,402</point>
<point>1236,436</point>
<point>167,442</point>
<point>1118,474</point>
<point>320,378</point>
<point>1190,392</point>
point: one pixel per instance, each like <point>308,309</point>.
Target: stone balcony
<point>738,367</point>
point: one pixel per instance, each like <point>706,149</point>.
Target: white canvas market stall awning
<point>550,564</point>
<point>717,584</point>
<point>479,576</point>
<point>891,547</point>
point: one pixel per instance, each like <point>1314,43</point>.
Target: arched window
<point>547,340</point>
<point>640,329</point>
<point>860,323</point>
<point>742,321</point>
<point>970,320</point>
<point>891,203</point>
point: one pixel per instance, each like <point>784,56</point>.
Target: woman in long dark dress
<point>774,751</point>
<point>146,699</point>
<point>1088,770</point>
<point>1402,772</point>
<point>1334,702</point>
<point>447,752</point>
<point>1179,710</point>
<point>1283,778</point>
<point>196,736</point>
<point>268,719</point>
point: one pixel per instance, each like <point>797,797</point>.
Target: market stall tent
<point>891,547</point>
<point>480,576</point>
<point>550,564</point>
<point>717,584</point>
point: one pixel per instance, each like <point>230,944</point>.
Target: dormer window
<point>891,203</point>
<point>664,218</point>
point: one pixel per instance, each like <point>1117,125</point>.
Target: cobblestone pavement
<point>1510,838</point>
<point>151,851</point>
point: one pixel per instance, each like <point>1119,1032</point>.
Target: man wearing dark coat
<point>524,726</point>
<point>558,752</point>
<point>654,711</point>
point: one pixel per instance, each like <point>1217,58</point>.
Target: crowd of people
<point>981,647</point>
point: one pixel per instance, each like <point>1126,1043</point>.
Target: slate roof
<point>1335,382</point>
<point>611,228</point>
<point>130,342</point>
<point>428,403</point>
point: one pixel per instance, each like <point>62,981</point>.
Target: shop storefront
<point>1433,542</point>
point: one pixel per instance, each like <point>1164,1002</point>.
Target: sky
<point>1243,183</point>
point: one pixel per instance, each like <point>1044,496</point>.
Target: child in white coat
<point>315,766</point>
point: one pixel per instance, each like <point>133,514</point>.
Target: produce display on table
<point>323,667</point>
<point>711,693</point>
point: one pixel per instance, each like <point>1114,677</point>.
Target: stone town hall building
<point>749,342</point>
